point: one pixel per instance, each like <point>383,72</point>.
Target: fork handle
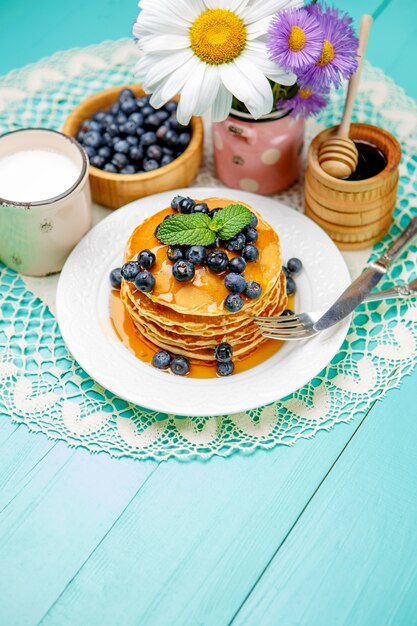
<point>399,291</point>
<point>399,244</point>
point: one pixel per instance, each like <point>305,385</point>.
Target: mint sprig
<point>198,229</point>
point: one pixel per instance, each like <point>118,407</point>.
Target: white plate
<point>83,315</point>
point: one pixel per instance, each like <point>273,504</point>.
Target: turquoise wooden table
<point>321,534</point>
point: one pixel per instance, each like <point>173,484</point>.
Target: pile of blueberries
<point>132,137</point>
<point>180,365</point>
<point>186,258</point>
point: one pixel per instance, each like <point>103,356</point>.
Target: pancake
<point>190,319</point>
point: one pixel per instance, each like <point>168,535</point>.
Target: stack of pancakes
<point>189,318</point>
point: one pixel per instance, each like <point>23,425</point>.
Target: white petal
<point>267,8</point>
<point>237,83</point>
<point>209,89</point>
<point>256,52</point>
<point>164,66</point>
<point>149,24</point>
<point>163,42</point>
<point>170,87</point>
<point>222,105</point>
<point>258,80</point>
<point>190,95</point>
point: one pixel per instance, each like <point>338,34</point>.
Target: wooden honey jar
<point>355,212</point>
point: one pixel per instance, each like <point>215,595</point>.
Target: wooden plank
<point>195,540</point>
<point>352,556</point>
<point>55,510</point>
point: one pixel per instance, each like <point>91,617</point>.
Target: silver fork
<point>301,326</point>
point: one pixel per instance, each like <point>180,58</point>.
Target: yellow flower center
<point>327,54</point>
<point>305,94</point>
<point>218,36</point>
<point>297,39</point>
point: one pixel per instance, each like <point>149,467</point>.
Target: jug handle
<point>242,132</point>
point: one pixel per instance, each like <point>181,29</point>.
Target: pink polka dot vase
<point>263,156</point>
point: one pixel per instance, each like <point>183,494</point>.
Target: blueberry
<point>294,266</point>
<point>128,106</point>
<point>110,167</point>
<point>235,283</point>
<point>108,119</point>
<point>166,160</point>
<point>217,261</point>
<point>167,151</point>
<point>114,109</point>
<point>183,270</point>
<point>250,253</point>
<point>196,254</point>
<point>113,130</point>
<point>128,169</point>
<point>287,313</point>
<point>120,119</point>
<point>147,110</point>
<point>291,286</point>
<point>253,289</point>
<point>171,139</point>
<point>91,152</point>
<point>254,221</point>
<point>92,139</point>
<point>154,152</point>
<point>237,265</point>
<point>186,205</point>
<point>152,122</point>
<point>130,270</point>
<point>213,212</point>
<point>100,116</point>
<point>171,106</point>
<point>132,140</point>
<point>97,126</point>
<point>184,140</point>
<point>180,366</point>
<point>97,161</point>
<point>161,132</point>
<point>150,164</point>
<point>148,139</point>
<point>80,136</point>
<point>130,128</point>
<point>174,253</point>
<point>175,203</point>
<point>223,353</point>
<point>122,146</point>
<point>142,102</point>
<point>105,152</point>
<point>126,94</point>
<point>201,207</point>
<point>119,159</point>
<point>237,243</point>
<point>162,115</point>
<point>286,272</point>
<point>176,126</point>
<point>225,368</point>
<point>234,302</point>
<point>140,132</point>
<point>115,140</point>
<point>146,259</point>
<point>136,117</point>
<point>136,154</point>
<point>145,282</point>
<point>116,278</point>
<point>107,140</point>
<point>251,234</point>
<point>85,125</point>
<point>161,360</point>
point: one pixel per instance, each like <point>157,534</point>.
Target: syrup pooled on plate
<point>371,161</point>
<point>144,350</point>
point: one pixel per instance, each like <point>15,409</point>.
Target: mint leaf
<point>234,218</point>
<point>186,230</point>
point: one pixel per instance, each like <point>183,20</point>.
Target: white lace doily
<point>43,387</point>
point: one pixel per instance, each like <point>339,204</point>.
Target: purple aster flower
<point>305,103</point>
<point>339,54</point>
<point>295,39</point>
<point>318,9</point>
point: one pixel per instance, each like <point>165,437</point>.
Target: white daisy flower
<point>208,51</point>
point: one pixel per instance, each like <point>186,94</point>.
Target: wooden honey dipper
<point>338,155</point>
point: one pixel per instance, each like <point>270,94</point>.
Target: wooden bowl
<point>354,213</point>
<point>115,190</point>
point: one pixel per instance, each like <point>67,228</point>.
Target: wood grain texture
<point>352,557</point>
